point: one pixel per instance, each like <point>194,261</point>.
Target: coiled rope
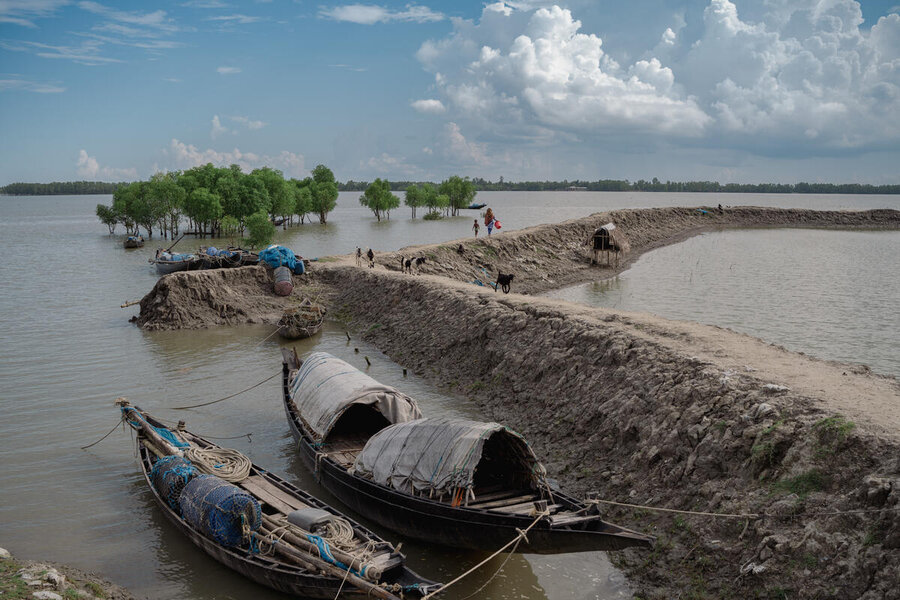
<point>230,465</point>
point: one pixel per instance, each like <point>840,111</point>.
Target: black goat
<point>503,281</point>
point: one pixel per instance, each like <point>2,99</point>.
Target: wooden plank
<point>524,508</point>
<point>267,491</point>
<point>497,495</point>
<point>571,518</point>
<point>505,501</point>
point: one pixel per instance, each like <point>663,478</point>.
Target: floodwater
<point>68,351</point>
<point>830,294</point>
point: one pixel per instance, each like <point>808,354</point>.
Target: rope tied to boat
<point>230,395</point>
<point>226,463</point>
<point>522,535</point>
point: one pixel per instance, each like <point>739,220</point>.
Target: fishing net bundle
<point>220,510</point>
<point>169,476</point>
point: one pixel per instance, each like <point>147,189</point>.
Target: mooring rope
<point>105,436</point>
<point>751,516</point>
<point>522,535</point>
<point>229,396</point>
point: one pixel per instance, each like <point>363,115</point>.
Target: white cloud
<point>457,150</point>
<point>88,53</point>
<point>429,106</point>
<point>30,86</point>
<point>348,67</point>
<point>369,14</point>
<point>249,123</point>
<point>801,74</point>
<point>389,166</point>
<point>186,156</point>
<point>228,70</point>
<point>236,18</point>
<point>24,12</point>
<point>217,128</point>
<point>88,168</point>
<point>205,4</point>
<point>156,19</point>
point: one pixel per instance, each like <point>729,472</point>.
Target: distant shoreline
<point>82,188</point>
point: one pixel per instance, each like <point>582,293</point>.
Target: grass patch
<point>328,259</point>
<point>11,586</point>
<point>832,432</point>
<point>477,386</point>
<point>374,327</point>
<point>72,594</point>
<point>804,484</point>
<point>96,589</point>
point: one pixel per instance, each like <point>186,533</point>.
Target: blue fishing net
<point>169,476</point>
<point>219,509</point>
<point>277,256</point>
<point>170,437</point>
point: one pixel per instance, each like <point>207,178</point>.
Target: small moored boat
<point>450,481</point>
<point>168,262</point>
<point>260,525</point>
<point>134,241</point>
<point>301,321</point>
<point>474,206</point>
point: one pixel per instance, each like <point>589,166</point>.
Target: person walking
<point>476,227</point>
<point>489,220</point>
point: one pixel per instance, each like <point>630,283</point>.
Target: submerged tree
<point>108,217</point>
<point>414,198</point>
<point>460,192</point>
<point>324,192</point>
<point>261,229</point>
<point>379,199</point>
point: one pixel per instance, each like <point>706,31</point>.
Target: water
<point>831,294</point>
<point>68,351</point>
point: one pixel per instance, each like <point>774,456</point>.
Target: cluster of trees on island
<point>220,201</point>
<point>447,198</point>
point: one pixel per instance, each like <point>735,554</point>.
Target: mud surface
<point>644,410</point>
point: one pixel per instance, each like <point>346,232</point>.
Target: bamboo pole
<point>346,558</point>
<point>354,580</point>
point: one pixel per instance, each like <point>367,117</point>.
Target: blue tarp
<point>277,256</point>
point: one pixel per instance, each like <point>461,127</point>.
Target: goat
<point>503,281</point>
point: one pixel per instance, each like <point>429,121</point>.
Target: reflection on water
<point>831,294</point>
<point>68,351</point>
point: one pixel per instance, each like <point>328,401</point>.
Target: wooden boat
<point>213,258</point>
<point>474,206</point>
<point>166,262</point>
<point>295,563</point>
<point>134,241</point>
<point>337,436</point>
<point>301,321</point>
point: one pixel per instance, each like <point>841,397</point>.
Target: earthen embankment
<point>555,255</point>
<point>650,412</point>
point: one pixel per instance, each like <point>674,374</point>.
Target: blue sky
<point>771,90</point>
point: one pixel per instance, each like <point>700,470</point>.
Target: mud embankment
<point>542,258</point>
<point>551,256</point>
<point>642,410</point>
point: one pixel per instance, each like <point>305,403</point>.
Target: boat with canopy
<point>455,482</point>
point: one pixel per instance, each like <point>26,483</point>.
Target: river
<point>68,351</point>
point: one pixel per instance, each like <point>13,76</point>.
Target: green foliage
<point>804,484</point>
<point>261,230</point>
<point>416,196</point>
<point>203,207</point>
<point>324,192</point>
<point>433,216</point>
<point>107,216</point>
<point>96,589</point>
<point>460,192</point>
<point>303,201</point>
<point>280,194</point>
<point>379,199</point>
<point>229,227</point>
<point>58,188</point>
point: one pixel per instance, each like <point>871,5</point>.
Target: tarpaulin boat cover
<point>325,387</point>
<point>438,455</point>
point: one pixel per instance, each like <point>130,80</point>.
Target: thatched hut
<point>607,239</point>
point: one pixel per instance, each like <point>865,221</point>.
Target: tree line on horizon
<point>484,185</point>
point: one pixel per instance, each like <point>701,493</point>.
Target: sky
<point>720,90</point>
